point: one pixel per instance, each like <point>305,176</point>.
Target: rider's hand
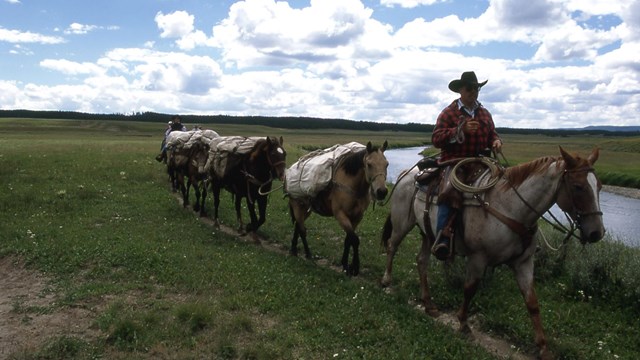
<point>470,127</point>
<point>497,145</point>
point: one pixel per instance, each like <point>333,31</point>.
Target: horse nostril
<point>381,193</point>
<point>595,236</point>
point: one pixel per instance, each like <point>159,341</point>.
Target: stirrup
<point>441,248</point>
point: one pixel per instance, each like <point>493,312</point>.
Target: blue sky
<point>550,63</point>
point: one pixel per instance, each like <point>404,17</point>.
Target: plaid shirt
<point>447,134</point>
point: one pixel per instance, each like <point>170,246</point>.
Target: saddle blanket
<point>313,172</point>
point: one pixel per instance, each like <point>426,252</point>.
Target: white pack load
<point>177,139</point>
<point>313,172</point>
<point>200,136</point>
<point>227,151</point>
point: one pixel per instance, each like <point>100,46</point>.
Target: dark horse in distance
<point>249,175</point>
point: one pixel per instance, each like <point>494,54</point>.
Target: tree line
<point>292,122</point>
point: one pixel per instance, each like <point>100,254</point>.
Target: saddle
<point>433,180</point>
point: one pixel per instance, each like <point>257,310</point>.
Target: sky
<point>549,63</point>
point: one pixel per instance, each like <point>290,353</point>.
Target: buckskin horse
<point>359,177</point>
<point>500,228</point>
<point>250,175</point>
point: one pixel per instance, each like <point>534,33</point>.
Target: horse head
<point>579,195</point>
<point>375,168</point>
<point>275,154</point>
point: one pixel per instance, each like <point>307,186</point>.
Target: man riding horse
<point>463,129</point>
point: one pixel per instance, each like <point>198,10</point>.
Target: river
<point>620,213</point>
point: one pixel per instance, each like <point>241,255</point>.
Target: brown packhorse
<point>250,176</point>
<point>359,177</point>
<point>499,226</point>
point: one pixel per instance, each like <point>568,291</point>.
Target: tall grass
<point>87,205</point>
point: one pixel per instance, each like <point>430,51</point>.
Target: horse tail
<point>386,231</point>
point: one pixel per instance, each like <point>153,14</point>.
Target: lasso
<point>488,162</point>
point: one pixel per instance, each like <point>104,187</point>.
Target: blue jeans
<point>443,215</point>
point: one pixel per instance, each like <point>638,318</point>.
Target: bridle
<point>251,179</point>
<point>574,224</point>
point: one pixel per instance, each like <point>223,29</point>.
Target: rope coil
<point>461,186</point>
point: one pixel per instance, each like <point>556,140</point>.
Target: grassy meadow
<point>86,204</point>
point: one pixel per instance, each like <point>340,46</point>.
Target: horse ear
<point>570,160</point>
<point>594,155</point>
<point>369,146</point>
<point>384,146</point>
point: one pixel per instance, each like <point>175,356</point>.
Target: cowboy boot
<point>442,247</point>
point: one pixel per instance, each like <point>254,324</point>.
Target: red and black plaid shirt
<point>445,134</point>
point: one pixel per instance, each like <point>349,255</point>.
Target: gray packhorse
<point>498,226</point>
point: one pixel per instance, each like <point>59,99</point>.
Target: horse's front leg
<point>252,227</point>
<point>524,277</point>
<point>193,181</point>
<point>351,240</point>
<point>423,266</point>
<point>475,268</point>
<point>183,190</point>
<point>203,194</point>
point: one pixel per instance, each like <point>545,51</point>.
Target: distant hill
<point>613,128</point>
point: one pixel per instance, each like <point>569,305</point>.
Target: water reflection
<point>620,212</point>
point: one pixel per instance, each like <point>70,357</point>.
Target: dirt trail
<point>29,316</point>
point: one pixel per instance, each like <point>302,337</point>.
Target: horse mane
<point>516,175</point>
<point>352,162</point>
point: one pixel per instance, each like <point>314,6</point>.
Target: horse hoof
<point>433,312</point>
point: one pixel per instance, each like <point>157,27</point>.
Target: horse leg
<point>252,227</point>
<point>298,217</point>
<point>183,190</point>
<point>392,236</point>
<point>423,265</point>
<point>524,278</point>
<point>203,194</point>
<point>238,206</point>
<point>215,189</point>
<point>475,269</point>
<point>351,240</point>
<point>193,182</point>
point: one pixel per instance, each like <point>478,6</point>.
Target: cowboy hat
<point>467,78</point>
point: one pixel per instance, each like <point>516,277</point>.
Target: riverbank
<point>622,191</point>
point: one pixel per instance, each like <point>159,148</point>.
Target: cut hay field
<point>99,260</point>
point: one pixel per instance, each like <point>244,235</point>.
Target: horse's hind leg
<point>298,216</point>
<point>423,265</point>
<point>238,207</point>
<point>392,236</point>
<point>215,190</point>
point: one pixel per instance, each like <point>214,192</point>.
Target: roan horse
<point>499,229</point>
<point>358,177</point>
<point>250,176</point>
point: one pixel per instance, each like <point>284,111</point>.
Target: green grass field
<point>86,204</point>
